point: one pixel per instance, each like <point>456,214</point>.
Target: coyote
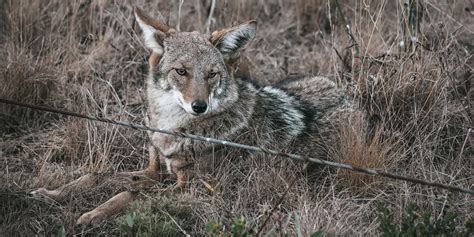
<point>191,87</point>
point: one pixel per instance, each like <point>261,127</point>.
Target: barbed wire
<point>368,171</point>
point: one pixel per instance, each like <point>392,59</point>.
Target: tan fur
<point>153,60</point>
<point>107,209</point>
<point>217,35</point>
<point>151,21</point>
<point>193,89</point>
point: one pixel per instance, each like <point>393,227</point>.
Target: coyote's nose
<point>199,106</point>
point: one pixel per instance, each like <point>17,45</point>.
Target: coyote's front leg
<point>176,154</point>
<point>135,180</point>
<point>84,182</point>
<point>107,209</point>
<point>182,169</point>
<point>153,172</point>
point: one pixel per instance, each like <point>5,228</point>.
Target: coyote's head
<point>194,67</point>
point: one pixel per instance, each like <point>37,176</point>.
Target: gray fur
<point>297,116</point>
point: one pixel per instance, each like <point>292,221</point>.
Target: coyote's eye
<point>212,74</point>
<point>180,71</point>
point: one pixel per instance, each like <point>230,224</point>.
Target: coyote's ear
<point>154,31</point>
<point>231,40</point>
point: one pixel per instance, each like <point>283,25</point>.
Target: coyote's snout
<point>191,88</point>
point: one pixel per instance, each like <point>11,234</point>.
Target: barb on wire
<point>367,171</point>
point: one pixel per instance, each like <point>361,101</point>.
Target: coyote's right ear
<point>232,40</point>
<point>154,31</point>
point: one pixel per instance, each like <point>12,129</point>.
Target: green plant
<point>128,226</point>
<point>414,223</point>
<point>238,229</point>
<point>318,233</point>
<point>61,232</point>
<point>157,217</point>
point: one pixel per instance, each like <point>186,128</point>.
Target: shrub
<point>160,216</point>
<point>414,223</point>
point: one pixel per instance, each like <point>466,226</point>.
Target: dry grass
<point>87,56</point>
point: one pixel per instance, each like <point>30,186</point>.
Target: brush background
<point>87,56</point>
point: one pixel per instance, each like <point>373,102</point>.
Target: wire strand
<point>367,171</point>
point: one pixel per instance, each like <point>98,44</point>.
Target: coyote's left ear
<point>231,40</point>
<point>154,31</point>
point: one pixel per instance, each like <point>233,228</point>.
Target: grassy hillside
<point>407,64</point>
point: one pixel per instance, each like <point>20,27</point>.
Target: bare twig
<point>209,17</point>
<point>450,17</point>
<point>282,198</point>
<point>176,223</point>
<point>178,26</point>
<point>348,27</point>
<point>465,141</point>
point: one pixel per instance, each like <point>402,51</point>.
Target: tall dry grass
<point>87,56</point>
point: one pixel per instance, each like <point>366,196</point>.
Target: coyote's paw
<point>44,193</point>
<point>91,218</point>
<point>38,193</point>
